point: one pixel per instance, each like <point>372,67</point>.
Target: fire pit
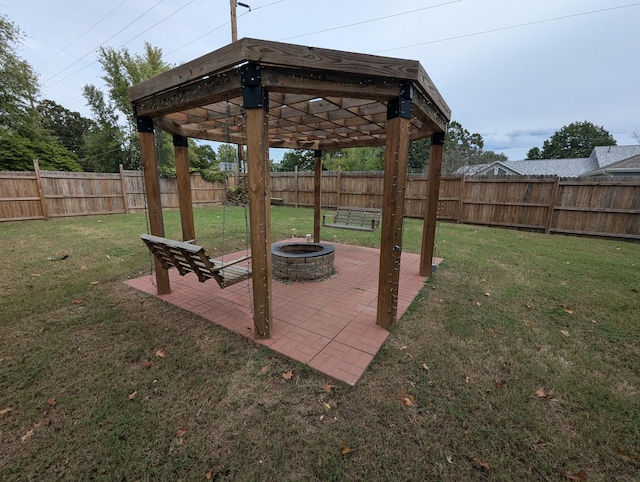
<point>299,261</point>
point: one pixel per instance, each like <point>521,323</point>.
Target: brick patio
<point>329,325</point>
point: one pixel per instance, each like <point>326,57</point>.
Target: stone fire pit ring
<point>301,261</point>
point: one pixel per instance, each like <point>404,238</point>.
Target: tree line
<point>34,128</point>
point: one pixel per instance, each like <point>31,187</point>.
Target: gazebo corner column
<point>151,176</point>
<point>399,114</point>
<point>183,178</point>
<point>431,204</point>
<point>256,104</point>
<point>317,194</point>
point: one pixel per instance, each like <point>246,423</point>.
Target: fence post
<point>295,186</point>
<point>123,185</point>
<point>43,204</point>
<point>460,199</point>
<point>339,188</point>
<point>552,205</point>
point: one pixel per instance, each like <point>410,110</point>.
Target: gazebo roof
<point>318,98</point>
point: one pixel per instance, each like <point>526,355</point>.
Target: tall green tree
<point>68,127</point>
<point>22,138</point>
<point>573,141</point>
<point>114,111</point>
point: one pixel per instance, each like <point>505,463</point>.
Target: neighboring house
<point>603,161</point>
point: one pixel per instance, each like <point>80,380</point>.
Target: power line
<point>83,34</point>
<point>371,20</point>
<point>500,29</point>
<point>93,50</point>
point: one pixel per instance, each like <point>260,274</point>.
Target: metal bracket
<point>144,124</point>
<point>402,106</point>
<point>180,141</point>
<point>254,95</point>
<point>437,138</point>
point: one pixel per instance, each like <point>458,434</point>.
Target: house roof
<point>611,157</point>
<point>317,98</point>
<point>626,167</point>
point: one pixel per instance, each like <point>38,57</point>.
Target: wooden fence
<point>607,208</point>
<point>48,194</point>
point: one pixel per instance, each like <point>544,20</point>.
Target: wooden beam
<point>152,188</point>
<point>317,194</point>
<point>260,218</point>
<point>183,180</point>
<point>431,207</point>
<point>395,176</point>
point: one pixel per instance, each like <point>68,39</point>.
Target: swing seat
<point>191,258</point>
<point>359,219</point>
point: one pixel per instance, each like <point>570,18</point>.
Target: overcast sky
<point>514,71</point>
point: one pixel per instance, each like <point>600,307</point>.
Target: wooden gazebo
<point>265,94</point>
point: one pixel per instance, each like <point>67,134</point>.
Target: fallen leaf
<point>425,367</point>
<point>108,257</point>
<point>580,475</point>
<point>133,394</point>
<point>476,303</point>
<point>482,464</point>
<point>77,301</point>
<point>487,294</point>
<point>501,384</point>
<point>5,411</point>
<point>43,423</point>
<point>208,475</point>
<point>567,309</point>
<point>491,330</point>
<point>531,325</point>
<point>94,283</point>
<point>27,435</point>
<point>327,388</point>
<point>41,329</point>
<point>51,401</point>
<point>327,407</point>
<point>160,354</point>
<point>621,453</point>
<point>287,375</point>
<point>541,393</point>
<point>264,369</point>
<point>527,305</point>
<point>147,364</point>
<point>181,432</point>
<point>466,379</point>
<point>83,267</point>
<point>564,332</point>
<point>408,402</point>
<point>345,449</point>
<point>403,347</point>
<point>449,458</point>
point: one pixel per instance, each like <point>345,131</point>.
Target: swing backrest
<point>185,257</point>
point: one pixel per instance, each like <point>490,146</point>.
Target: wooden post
<point>183,178</point>
<point>317,195</point>
<point>123,186</point>
<point>234,20</point>
<point>461,199</point>
<point>431,207</point>
<point>295,185</point>
<point>255,102</point>
<point>552,205</point>
<point>338,187</point>
<point>152,187</point>
<point>43,204</point>
<point>399,113</point>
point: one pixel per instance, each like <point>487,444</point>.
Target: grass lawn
<point>519,360</point>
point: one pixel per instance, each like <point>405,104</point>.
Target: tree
<point>22,138</point>
<point>69,128</point>
<point>18,83</point>
<point>573,141</point>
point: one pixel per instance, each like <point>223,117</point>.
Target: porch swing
<point>187,257</point>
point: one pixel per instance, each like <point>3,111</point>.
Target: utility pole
<point>234,36</point>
